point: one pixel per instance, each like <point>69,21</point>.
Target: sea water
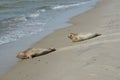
<point>23,22</point>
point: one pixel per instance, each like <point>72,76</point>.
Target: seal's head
<point>71,35</point>
<point>74,37</point>
<point>22,55</point>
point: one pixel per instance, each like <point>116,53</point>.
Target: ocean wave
<point>36,13</point>
<point>11,36</point>
<point>14,20</point>
<point>44,8</point>
<point>22,18</point>
<point>68,6</point>
<point>32,15</point>
<point>15,35</point>
<point>57,7</point>
<point>19,27</point>
<point>35,23</point>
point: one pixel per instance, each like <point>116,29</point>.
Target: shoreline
<point>92,59</point>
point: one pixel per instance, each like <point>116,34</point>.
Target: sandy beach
<point>93,59</point>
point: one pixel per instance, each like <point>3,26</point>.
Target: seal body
<point>80,37</point>
<point>33,52</point>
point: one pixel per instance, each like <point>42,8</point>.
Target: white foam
<point>35,23</point>
<point>15,19</point>
<point>15,35</point>
<point>42,10</point>
<point>65,6</point>
<point>70,5</point>
<point>11,36</point>
<point>34,15</point>
<point>20,18</point>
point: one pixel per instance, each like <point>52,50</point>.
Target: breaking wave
<point>42,9</point>
<point>58,7</point>
<point>15,35</point>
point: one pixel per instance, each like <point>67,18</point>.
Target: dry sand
<point>94,59</point>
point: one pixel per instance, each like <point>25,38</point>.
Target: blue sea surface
<point>23,22</point>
